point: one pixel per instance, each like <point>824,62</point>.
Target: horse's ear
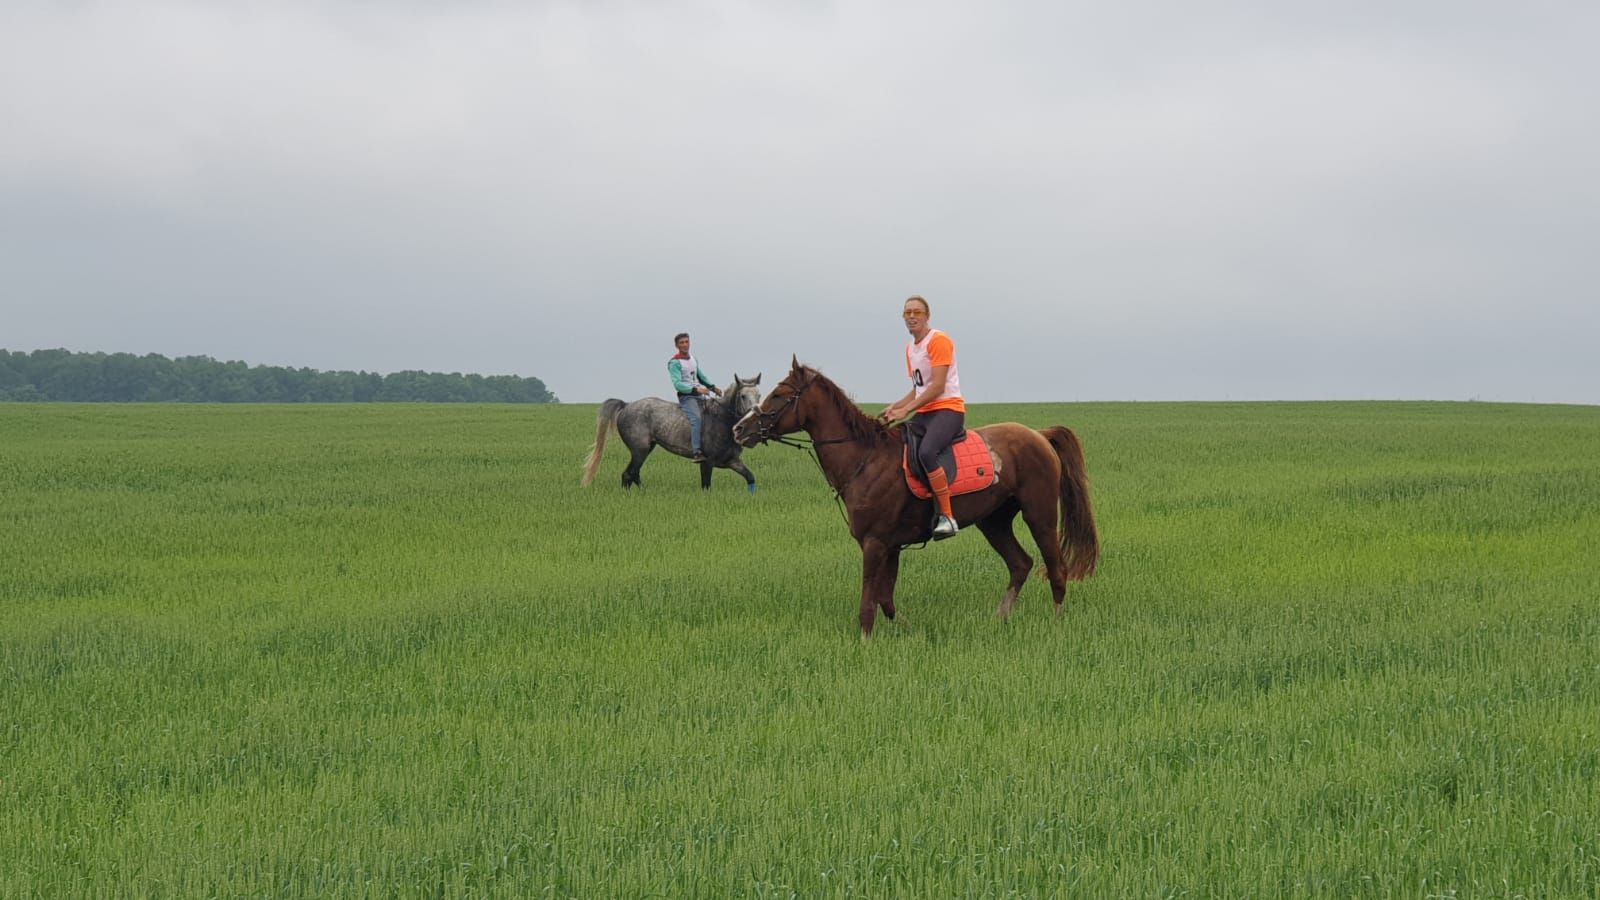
<point>736,378</point>
<point>757,379</point>
<point>794,363</point>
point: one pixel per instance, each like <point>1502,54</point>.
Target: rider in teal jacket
<point>691,384</point>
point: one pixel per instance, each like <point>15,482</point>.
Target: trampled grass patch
<point>1333,649</point>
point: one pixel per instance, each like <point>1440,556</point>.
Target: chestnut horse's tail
<point>605,420</point>
<point>1080,542</point>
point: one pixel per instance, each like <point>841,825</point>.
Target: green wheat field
<point>1334,649</point>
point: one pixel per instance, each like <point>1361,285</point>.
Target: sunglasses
<point>913,314</point>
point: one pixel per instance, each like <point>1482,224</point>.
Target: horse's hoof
<point>751,487</point>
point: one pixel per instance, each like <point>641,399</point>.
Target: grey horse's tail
<point>605,421</point>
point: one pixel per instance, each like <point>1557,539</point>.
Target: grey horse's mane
<point>721,404</point>
<point>724,405</point>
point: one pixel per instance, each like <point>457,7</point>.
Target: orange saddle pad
<point>976,468</point>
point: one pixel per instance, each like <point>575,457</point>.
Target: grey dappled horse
<point>645,424</point>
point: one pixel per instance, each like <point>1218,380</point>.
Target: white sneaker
<point>944,527</point>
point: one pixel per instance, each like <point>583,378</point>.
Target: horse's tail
<point>604,423</point>
<point>1080,541</point>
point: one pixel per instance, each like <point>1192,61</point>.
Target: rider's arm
<point>896,409</point>
<point>675,369</point>
<point>901,408</point>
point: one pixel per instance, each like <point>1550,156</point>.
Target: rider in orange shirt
<point>935,398</point>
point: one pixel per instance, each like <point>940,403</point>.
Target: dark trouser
<point>934,431</point>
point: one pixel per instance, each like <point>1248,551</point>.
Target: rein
<point>809,446</point>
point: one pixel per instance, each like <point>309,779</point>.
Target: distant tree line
<point>49,375</point>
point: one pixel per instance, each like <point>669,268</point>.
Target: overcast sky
<point>1101,201</point>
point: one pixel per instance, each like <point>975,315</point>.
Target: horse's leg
<point>1040,514</point>
<point>997,528</point>
<point>738,465</point>
<point>705,476</point>
<point>891,574</point>
<point>630,475</point>
<point>874,558</point>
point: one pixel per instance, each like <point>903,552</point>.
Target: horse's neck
<point>843,449</point>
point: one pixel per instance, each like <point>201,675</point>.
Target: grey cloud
<point>1133,201</point>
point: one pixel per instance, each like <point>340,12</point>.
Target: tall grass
<point>1333,650</point>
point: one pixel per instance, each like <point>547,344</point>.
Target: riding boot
<point>945,524</point>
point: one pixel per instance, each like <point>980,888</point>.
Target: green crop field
<point>1333,649</point>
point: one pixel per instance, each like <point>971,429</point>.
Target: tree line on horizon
<point>62,375</point>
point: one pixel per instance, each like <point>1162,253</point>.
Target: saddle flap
<point>968,464</point>
<point>947,459</point>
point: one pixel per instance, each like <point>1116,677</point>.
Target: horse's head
<point>743,395</point>
<point>779,414</point>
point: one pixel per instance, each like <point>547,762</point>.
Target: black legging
<point>934,431</point>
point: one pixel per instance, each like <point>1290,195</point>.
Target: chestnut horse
<point>1041,475</point>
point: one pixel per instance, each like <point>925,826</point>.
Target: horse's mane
<point>717,407</point>
<point>861,426</point>
<point>720,405</point>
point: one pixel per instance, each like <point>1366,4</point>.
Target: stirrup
<point>944,527</point>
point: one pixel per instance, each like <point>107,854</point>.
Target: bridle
<point>766,422</point>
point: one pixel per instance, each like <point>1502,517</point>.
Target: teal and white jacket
<point>686,374</point>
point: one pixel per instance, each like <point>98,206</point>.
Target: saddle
<point>968,466</point>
